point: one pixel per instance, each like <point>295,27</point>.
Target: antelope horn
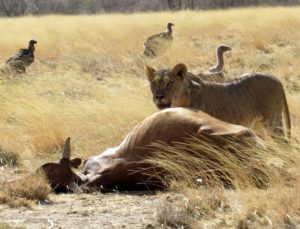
<point>67,149</point>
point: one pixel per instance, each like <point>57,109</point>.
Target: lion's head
<point>167,86</point>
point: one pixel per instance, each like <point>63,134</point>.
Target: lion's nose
<point>159,96</point>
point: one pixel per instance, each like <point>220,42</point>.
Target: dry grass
<point>183,207</point>
<point>198,171</point>
<point>231,164</point>
<point>25,191</point>
<point>211,207</point>
<point>6,226</point>
<point>88,82</point>
<point>9,158</point>
<point>60,92</point>
<point>277,207</point>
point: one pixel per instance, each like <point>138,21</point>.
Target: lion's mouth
<point>162,106</point>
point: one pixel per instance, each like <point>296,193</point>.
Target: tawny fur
<point>124,167</point>
<point>252,98</point>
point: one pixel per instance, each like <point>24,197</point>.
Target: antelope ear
<point>67,149</point>
<point>179,70</point>
<point>150,73</point>
<point>75,162</point>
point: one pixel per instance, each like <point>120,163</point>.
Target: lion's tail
<point>287,117</point>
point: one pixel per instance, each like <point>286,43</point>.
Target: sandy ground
<point>126,210</point>
<point>86,211</point>
<point>93,210</point>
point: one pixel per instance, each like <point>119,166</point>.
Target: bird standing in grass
<point>159,43</point>
<point>220,59</point>
<point>215,73</point>
<point>23,58</point>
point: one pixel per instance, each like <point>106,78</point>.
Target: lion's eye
<point>153,84</point>
<point>169,84</point>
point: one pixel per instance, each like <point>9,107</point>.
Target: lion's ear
<point>179,70</point>
<point>150,73</point>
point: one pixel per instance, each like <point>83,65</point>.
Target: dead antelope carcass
<point>123,167</point>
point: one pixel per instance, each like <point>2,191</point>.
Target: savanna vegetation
<point>13,8</point>
<point>88,82</point>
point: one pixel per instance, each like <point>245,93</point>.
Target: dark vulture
<point>158,43</point>
<point>23,58</point>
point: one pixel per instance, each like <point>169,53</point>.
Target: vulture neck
<point>31,48</point>
<point>220,61</point>
<point>169,30</point>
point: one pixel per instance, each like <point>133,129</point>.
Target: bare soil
<point>97,210</point>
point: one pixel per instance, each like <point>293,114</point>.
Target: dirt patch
<point>86,211</point>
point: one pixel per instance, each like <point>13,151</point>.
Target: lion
<point>251,99</point>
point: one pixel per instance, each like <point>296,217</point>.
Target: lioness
<point>252,98</point>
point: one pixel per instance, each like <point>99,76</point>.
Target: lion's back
<point>243,100</point>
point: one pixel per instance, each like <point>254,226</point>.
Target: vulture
<point>23,58</point>
<point>215,73</point>
<point>158,43</point>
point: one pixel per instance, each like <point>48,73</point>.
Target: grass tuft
<point>9,158</point>
<point>231,164</point>
<point>25,191</point>
<point>182,207</point>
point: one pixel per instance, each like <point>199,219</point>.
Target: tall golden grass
<point>233,185</point>
<point>232,164</point>
<point>60,96</point>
